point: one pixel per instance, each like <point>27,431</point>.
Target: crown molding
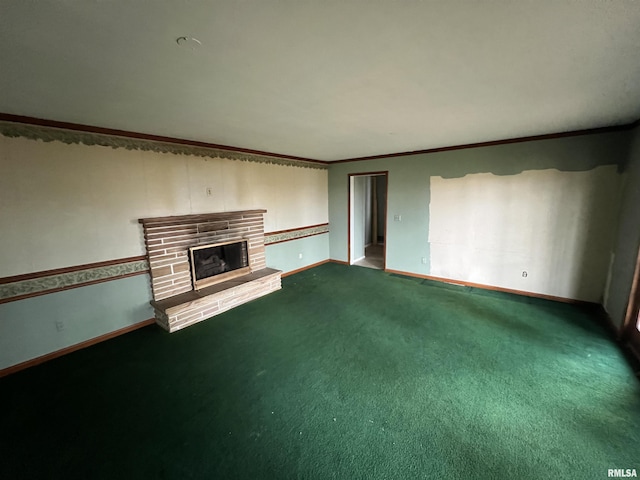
<point>547,136</point>
<point>73,133</point>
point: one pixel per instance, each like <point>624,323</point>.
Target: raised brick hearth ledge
<point>168,239</point>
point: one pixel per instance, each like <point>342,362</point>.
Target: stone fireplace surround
<point>168,239</point>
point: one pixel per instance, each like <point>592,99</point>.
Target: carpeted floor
<point>346,373</point>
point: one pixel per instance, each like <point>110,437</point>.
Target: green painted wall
<point>285,256</point>
<point>628,237</point>
<point>409,185</point>
<point>28,327</point>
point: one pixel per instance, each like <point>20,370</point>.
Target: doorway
<point>368,219</point>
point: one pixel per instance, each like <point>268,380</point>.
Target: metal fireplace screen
<point>215,263</point>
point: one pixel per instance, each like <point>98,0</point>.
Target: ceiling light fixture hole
<point>190,42</point>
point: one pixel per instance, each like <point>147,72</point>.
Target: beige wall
<point>63,205</point>
<point>556,226</point>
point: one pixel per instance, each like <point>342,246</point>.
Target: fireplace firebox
<point>211,264</point>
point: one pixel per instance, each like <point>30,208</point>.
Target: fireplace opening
<point>215,263</point>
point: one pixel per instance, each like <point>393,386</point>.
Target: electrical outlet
<point>299,255</point>
<point>59,325</point>
<point>209,191</point>
<point>397,218</point>
<point>525,274</point>
<point>424,260</point>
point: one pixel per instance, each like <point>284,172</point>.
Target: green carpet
<point>346,373</point>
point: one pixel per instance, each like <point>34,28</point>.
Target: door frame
<point>386,211</point>
<point>629,332</point>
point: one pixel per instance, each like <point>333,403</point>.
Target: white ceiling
<point>322,79</point>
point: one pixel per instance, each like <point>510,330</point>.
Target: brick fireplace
<point>168,241</point>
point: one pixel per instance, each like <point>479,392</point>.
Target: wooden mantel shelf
<point>196,218</point>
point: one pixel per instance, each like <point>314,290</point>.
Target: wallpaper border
<point>50,134</point>
<point>29,285</point>
<point>51,281</point>
<point>295,233</point>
